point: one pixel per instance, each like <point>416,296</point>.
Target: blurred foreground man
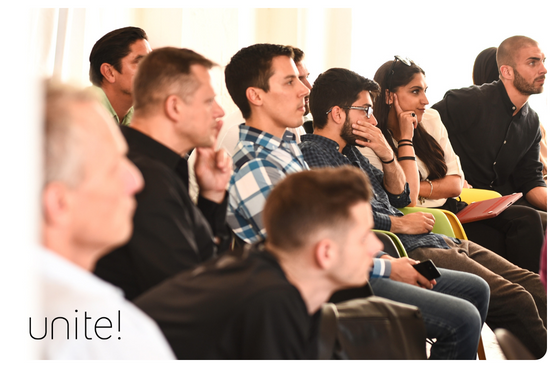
<point>87,209</point>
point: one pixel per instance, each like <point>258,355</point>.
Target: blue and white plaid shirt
<point>260,161</point>
<point>320,151</point>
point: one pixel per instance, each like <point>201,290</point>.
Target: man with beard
<point>494,131</point>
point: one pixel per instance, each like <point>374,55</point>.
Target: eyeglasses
<point>407,62</point>
<point>367,109</point>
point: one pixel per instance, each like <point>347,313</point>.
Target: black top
<point>498,151</point>
<point>170,233</point>
<point>239,306</point>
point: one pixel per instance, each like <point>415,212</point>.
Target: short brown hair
<point>163,72</point>
<point>307,202</point>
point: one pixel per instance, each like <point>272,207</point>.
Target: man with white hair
<point>87,209</point>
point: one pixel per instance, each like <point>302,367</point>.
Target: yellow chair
<point>446,222</point>
<point>470,195</point>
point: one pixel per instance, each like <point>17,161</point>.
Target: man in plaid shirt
<point>266,152</point>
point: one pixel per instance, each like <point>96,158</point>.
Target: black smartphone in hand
<point>427,269</point>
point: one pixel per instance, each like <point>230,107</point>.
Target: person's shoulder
<point>310,142</point>
<point>431,119</point>
<point>256,161</point>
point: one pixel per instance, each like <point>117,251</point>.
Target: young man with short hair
<point>498,139</point>
<point>114,60</point>
<point>263,303</point>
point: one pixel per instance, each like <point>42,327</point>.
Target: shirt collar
<point>510,107</point>
<point>267,140</point>
<point>140,142</point>
<point>106,103</point>
<point>322,141</point>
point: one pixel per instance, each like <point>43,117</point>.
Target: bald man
<point>504,156</point>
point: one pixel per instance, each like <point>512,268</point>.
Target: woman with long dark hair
<point>433,170</point>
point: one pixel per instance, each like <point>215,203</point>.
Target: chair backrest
<point>398,244</point>
<point>511,347</point>
<point>442,224</point>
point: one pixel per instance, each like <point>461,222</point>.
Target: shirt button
<point>504,142</point>
<point>494,163</point>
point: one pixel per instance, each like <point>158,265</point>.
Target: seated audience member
<point>264,302</point>
<point>504,156</point>
<point>175,111</point>
<point>114,60</point>
<point>436,176</point>
<point>229,136</point>
<point>341,105</point>
<point>87,208</point>
<point>486,71</point>
<point>453,313</point>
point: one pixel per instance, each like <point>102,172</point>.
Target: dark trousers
<point>516,235</point>
<point>518,301</point>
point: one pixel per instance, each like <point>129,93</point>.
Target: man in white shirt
<point>87,207</point>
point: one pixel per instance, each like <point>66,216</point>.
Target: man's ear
<point>56,203</point>
<point>254,96</point>
<point>325,253</point>
<point>108,72</point>
<point>337,115</point>
<point>173,107</point>
<point>507,72</point>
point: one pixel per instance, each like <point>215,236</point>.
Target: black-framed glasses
<point>407,62</point>
<point>367,109</point>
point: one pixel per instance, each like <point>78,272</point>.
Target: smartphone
<point>427,269</point>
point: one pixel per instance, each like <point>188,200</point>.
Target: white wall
<point>20,149</point>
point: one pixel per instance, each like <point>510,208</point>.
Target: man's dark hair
<point>163,72</point>
<point>304,203</point>
<point>337,87</point>
<point>298,54</point>
<point>111,48</point>
<point>252,67</point>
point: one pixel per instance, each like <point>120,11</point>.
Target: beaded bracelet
<point>411,158</point>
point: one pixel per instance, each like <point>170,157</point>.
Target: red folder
<point>489,208</point>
